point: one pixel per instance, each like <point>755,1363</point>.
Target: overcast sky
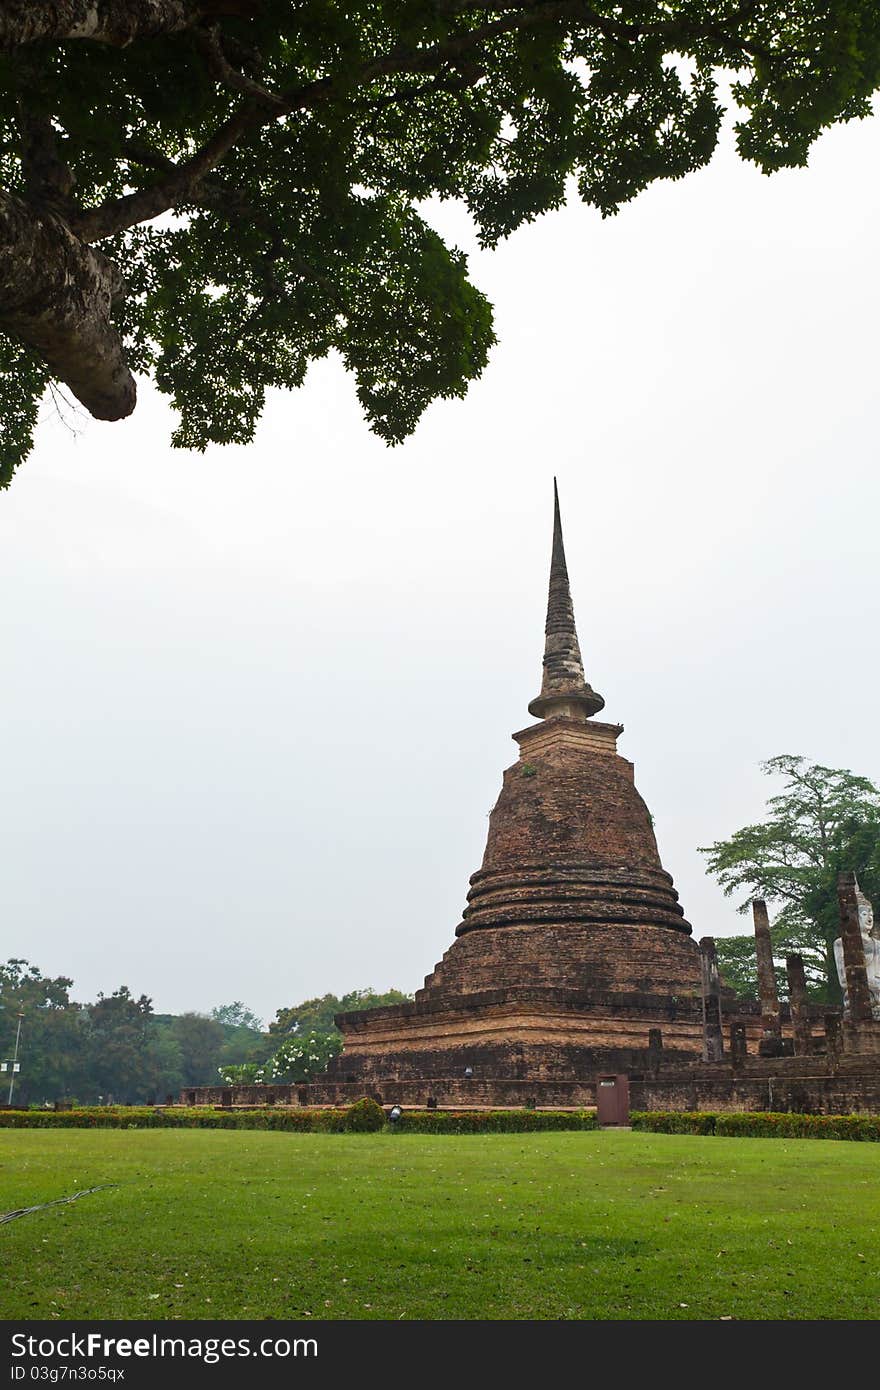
<point>257,702</point>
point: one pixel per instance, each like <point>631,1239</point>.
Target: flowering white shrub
<point>245,1074</point>
<point>302,1059</point>
<point>297,1059</point>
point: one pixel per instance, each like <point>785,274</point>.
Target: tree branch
<point>208,41</point>
<point>48,179</point>
<point>56,296</point>
<point>262,105</point>
<point>179,187</point>
<point>114,22</point>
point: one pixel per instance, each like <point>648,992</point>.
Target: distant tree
<point>738,965</point>
<point>311,1015</point>
<point>122,1059</point>
<point>219,192</point>
<point>200,1041</point>
<point>164,1074</point>
<point>237,1015</point>
<point>824,820</point>
<point>243,1045</point>
<point>368,999</point>
<point>117,1046</point>
<point>317,1015</point>
<point>53,1052</point>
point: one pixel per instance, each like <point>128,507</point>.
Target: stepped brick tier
<point>573,944</point>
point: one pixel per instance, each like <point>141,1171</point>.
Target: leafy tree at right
<point>823,821</point>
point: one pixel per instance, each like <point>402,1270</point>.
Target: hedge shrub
<point>673,1121</point>
<point>361,1117</point>
<point>759,1124</point>
<point>493,1121</point>
<point>364,1117</point>
<point>177,1117</point>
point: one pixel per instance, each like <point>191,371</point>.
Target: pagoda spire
<point>564,690</point>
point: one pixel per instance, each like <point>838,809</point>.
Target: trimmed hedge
<point>368,1116</point>
<point>493,1121</point>
<point>673,1121</point>
<point>351,1120</point>
<point>177,1117</point>
<point>759,1124</point>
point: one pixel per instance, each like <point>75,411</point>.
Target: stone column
<point>655,1051</point>
<point>833,1039</point>
<point>713,1037</point>
<point>767,993</point>
<point>738,1044</point>
<point>797,996</point>
<point>858,995</point>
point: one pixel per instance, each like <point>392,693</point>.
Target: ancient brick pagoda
<point>573,944</point>
<point>573,958</point>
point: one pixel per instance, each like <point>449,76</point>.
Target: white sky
<point>257,703</point>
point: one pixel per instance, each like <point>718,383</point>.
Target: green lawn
<point>594,1225</point>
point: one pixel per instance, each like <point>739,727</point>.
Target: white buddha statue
<point>871,948</point>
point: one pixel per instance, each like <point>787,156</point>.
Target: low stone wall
<point>444,1092</point>
<point>802,1085</point>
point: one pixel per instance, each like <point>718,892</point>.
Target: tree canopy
<point>317,1015</point>
<point>52,1029</point>
<point>218,192</point>
<point>823,821</point>
<point>116,1047</point>
<point>237,1015</point>
<point>738,966</point>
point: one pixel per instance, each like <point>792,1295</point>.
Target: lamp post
<point>15,1059</point>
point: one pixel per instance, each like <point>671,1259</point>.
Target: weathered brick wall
<point>568,956</point>
<point>570,839</point>
<point>528,1033</point>
<point>533,1034</point>
<point>803,1085</point>
<point>566,804</point>
<point>863,1038</point>
<point>798,1084</point>
<point>565,962</point>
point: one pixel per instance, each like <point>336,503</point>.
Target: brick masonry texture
<point>570,840</point>
<point>573,957</point>
<point>800,1085</point>
<point>572,946</point>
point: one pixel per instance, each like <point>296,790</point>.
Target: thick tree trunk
<point>56,296</point>
<point>116,22</point>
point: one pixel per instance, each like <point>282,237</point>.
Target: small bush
<point>364,1117</point>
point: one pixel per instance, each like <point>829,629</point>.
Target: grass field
<point>252,1224</point>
